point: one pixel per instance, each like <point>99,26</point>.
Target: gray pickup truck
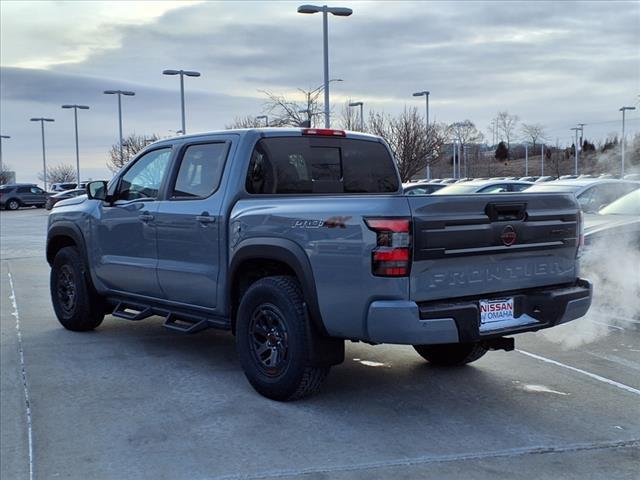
<point>299,239</point>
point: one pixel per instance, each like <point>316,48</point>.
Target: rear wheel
<point>271,339</point>
<point>13,204</point>
<point>451,354</point>
<point>77,306</point>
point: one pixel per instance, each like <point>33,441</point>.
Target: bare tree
<point>131,145</point>
<point>7,174</point>
<point>406,137</point>
<point>62,173</point>
<point>287,112</point>
<point>533,132</point>
<point>465,132</point>
<point>350,118</point>
<point>506,125</point>
<point>245,122</point>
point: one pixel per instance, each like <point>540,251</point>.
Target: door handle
<point>205,219</point>
<point>146,217</point>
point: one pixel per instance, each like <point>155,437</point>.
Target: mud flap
<point>324,351</point>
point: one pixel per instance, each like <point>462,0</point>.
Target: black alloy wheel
<point>269,339</point>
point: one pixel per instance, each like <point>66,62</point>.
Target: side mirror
<point>97,190</point>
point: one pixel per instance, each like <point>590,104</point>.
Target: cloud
<point>30,93</point>
<point>556,63</point>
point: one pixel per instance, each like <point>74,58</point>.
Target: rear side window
<point>298,165</point>
<point>24,189</point>
<point>200,170</point>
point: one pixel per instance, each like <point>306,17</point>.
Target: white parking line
<point>23,372</point>
<point>583,372</point>
<point>326,471</point>
<point>607,325</point>
<point>616,317</point>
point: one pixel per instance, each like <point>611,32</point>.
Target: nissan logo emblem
<point>508,236</point>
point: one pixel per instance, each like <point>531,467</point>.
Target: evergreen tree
<point>502,152</point>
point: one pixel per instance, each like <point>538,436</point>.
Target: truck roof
<point>263,132</point>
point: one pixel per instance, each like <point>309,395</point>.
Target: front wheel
<point>77,306</point>
<point>451,354</point>
<point>271,339</point>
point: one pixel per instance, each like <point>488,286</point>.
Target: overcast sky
<point>556,63</point>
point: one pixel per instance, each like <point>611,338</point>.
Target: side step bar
<point>185,325</point>
<point>131,311</point>
<point>176,321</point>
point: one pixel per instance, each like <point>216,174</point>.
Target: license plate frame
<point>496,311</point>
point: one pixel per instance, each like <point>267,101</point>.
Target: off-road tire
<point>451,354</point>
<point>281,298</point>
<point>12,204</point>
<point>69,277</point>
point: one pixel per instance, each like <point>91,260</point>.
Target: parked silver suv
<point>16,195</point>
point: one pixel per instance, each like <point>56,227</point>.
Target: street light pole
<point>581,125</point>
<point>75,116</point>
<point>359,104</point>
<point>623,110</point>
<point>182,73</point>
<point>340,12</point>
<point>575,145</point>
<point>120,93</point>
<point>542,160</point>
<point>44,157</point>
<point>526,158</point>
<point>454,157</point>
<point>425,94</point>
<point>2,137</point>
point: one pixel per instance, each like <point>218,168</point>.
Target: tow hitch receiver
<point>502,343</point>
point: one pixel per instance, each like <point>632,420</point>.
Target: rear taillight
<point>392,255</point>
<point>324,132</point>
<point>580,234</point>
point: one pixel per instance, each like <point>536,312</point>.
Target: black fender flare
<point>66,229</point>
<point>289,253</point>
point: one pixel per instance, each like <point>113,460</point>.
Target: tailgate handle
<point>504,212</point>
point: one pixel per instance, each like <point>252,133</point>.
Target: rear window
<point>298,165</point>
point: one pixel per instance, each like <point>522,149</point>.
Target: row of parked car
<point>612,206</point>
<point>592,193</point>
<point>16,195</point>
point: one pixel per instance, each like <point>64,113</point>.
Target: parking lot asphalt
<point>132,400</point>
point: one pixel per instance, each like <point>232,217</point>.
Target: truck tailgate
<point>471,245</point>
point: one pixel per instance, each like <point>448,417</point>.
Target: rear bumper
<point>406,322</point>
